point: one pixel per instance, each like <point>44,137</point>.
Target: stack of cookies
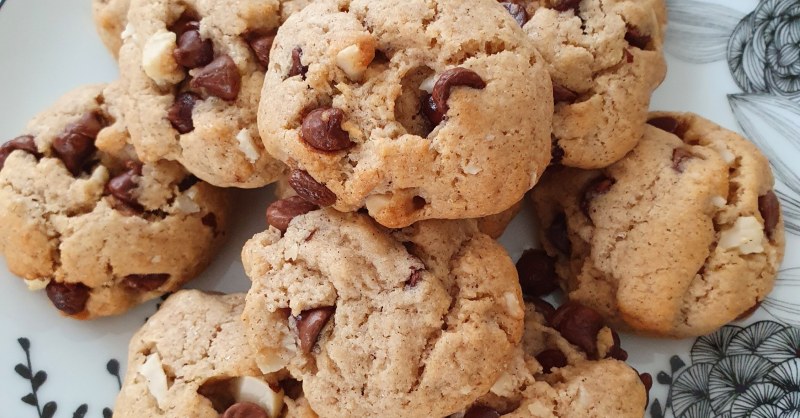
<point>403,137</point>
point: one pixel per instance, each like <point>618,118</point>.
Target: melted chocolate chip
<point>479,411</point>
<point>537,273</point>
<point>310,324</point>
<point>557,234</point>
<point>75,145</point>
<point>551,359</point>
<point>123,185</point>
<point>261,46</point>
<point>187,183</point>
<point>517,11</point>
<point>563,94</point>
<point>144,282</point>
<point>414,278</point>
<point>297,67</point>
<point>679,158</point>
<point>20,143</point>
<point>311,190</point>
<point>616,351</point>
<point>665,123</point>
<point>220,78</point>
<point>636,38</point>
<point>180,113</point>
<point>647,381</point>
<point>435,107</point>
<point>564,5</point>
<point>579,325</point>
<point>543,307</point>
<point>193,51</point>
<point>770,208</point>
<point>595,189</point>
<point>186,22</point>
<point>69,298</point>
<point>219,392</point>
<point>281,212</point>
<point>245,410</point>
<point>322,130</point>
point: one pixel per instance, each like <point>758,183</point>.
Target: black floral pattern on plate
<point>736,373</point>
<point>36,379</point>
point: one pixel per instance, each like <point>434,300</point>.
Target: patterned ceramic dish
<point>735,62</point>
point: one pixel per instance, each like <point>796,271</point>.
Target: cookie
<point>605,58</point>
<point>492,225</point>
<point>110,20</point>
<point>379,322</point>
<point>569,365</point>
<point>678,238</point>
<point>414,110</point>
<point>193,72</point>
<point>191,359</point>
<point>83,219</point>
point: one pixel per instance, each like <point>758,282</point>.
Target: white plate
<point>49,47</point>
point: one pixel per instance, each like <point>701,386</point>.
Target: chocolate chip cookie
<point>110,19</point>
<point>413,110</point>
<point>83,219</point>
<point>193,72</point>
<point>605,58</point>
<point>570,365</point>
<point>678,238</point>
<point>191,359</point>
<point>375,322</point>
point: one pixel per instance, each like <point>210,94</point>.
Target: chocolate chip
<point>749,312</point>
<point>281,212</point>
<point>563,94</point>
<point>435,107</point>
<point>292,388</point>
<point>210,220</point>
<point>770,208</point>
<point>665,123</point>
<point>245,410</point>
<point>261,46</point>
<point>309,325</point>
<point>579,325</point>
<point>69,298</point>
<point>414,278</point>
<point>123,185</point>
<point>20,143</point>
<point>679,158</point>
<point>220,78</point>
<point>517,11</point>
<point>480,411</point>
<point>322,130</point>
<point>75,145</point>
<point>144,282</point>
<point>564,5</point>
<point>180,113</point>
<point>192,50</point>
<point>311,190</point>
<point>636,38</point>
<point>647,381</point>
<point>543,307</point>
<point>187,183</point>
<point>595,189</point>
<point>557,234</point>
<point>537,273</point>
<point>297,67</point>
<point>551,359</point>
<point>616,351</point>
<point>219,392</point>
<point>628,56</point>
<point>186,22</point>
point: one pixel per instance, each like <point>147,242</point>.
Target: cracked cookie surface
<point>83,219</point>
<point>605,59</point>
<point>552,378</point>
<point>678,238</point>
<point>193,73</point>
<point>414,110</point>
<point>191,359</point>
<point>379,322</point>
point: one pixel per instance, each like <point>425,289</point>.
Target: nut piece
<point>746,234</point>
<point>157,60</point>
<point>355,59</point>
<point>153,372</point>
<point>256,391</point>
<point>248,146</point>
